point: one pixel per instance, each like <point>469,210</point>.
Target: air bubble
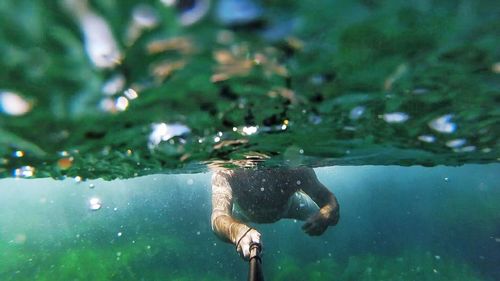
<point>95,204</point>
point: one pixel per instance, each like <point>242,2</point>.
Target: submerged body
<point>267,195</point>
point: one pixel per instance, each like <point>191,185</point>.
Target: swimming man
<point>267,195</point>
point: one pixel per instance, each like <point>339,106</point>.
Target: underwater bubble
<point>443,124</point>
<point>395,117</point>
<point>427,138</point>
<point>121,103</point>
<point>198,232</point>
<point>190,181</point>
<point>114,85</point>
<point>78,179</point>
<point>24,172</point>
<point>131,94</point>
<point>95,204</point>
<point>217,139</point>
<point>100,45</point>
<point>357,112</point>
<point>13,104</point>
<point>119,234</point>
<point>456,143</point>
<point>238,12</point>
<point>18,154</point>
<point>469,148</point>
<point>262,189</point>
<point>191,11</point>
<point>163,132</point>
<point>446,179</point>
<point>250,130</point>
<point>65,163</point>
<point>299,182</point>
<point>145,16</point>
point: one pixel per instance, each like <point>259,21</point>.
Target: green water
<point>396,223</point>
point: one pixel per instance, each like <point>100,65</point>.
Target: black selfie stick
<point>255,272</point>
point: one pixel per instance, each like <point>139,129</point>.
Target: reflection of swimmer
<point>265,196</point>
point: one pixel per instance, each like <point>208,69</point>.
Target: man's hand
<point>249,237</point>
<point>319,222</point>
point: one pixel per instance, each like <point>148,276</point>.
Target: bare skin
<point>266,196</point>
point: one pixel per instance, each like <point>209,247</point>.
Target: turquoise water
<point>397,223</point>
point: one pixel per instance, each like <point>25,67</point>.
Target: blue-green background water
<point>397,223</point>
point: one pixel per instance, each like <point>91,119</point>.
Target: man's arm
<point>329,207</point>
<point>223,224</point>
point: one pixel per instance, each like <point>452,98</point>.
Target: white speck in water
<point>131,94</point>
<point>437,257</point>
<point>148,247</point>
<point>78,179</point>
<point>164,132</point>
<point>329,254</point>
<point>24,172</point>
<point>435,270</point>
<point>91,185</point>
<point>469,148</point>
<point>119,234</point>
<point>455,143</point>
<point>427,138</point>
<point>301,151</point>
<point>357,112</point>
<point>115,209</point>
<point>13,104</point>
<point>95,204</point>
<point>198,232</point>
<point>121,103</point>
<point>114,85</point>
<point>190,182</point>
<point>497,239</point>
<point>446,179</point>
<point>395,117</point>
<point>217,139</point>
<point>262,189</point>
<point>145,16</point>
<point>283,127</point>
<point>100,45</point>
<point>118,254</point>
<point>18,153</point>
<point>443,124</point>
<point>299,182</point>
<point>250,130</point>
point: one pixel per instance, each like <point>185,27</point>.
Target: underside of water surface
<point>118,89</point>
